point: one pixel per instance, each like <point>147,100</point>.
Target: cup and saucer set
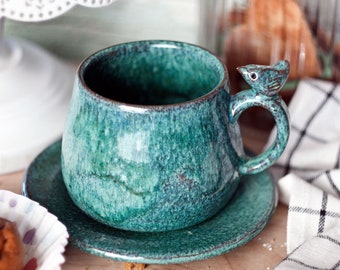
<point>151,167</point>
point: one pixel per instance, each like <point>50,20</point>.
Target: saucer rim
<point>216,250</point>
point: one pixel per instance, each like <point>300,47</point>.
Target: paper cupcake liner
<point>43,236</point>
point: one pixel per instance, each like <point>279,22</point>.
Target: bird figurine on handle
<point>265,83</point>
<point>267,80</point>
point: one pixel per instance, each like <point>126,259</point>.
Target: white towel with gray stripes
<point>308,175</point>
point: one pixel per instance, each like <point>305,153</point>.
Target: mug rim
<point>207,96</point>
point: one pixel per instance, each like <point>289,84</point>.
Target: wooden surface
<point>265,251</point>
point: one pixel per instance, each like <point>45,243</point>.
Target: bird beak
<point>240,69</point>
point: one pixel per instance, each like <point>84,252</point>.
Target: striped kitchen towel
<point>308,177</point>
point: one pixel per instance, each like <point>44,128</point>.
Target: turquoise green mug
<point>151,140</point>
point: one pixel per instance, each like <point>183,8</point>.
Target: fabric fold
<point>308,175</point>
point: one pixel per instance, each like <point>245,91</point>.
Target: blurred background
<point>306,32</point>
<point>82,31</point>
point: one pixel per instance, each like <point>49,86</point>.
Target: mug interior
<point>152,72</point>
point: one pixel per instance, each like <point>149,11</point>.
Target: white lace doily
<point>40,10</point>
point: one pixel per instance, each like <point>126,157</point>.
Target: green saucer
<point>240,221</point>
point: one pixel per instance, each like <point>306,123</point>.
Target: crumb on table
<point>134,266</point>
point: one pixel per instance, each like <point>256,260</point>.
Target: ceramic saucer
<point>240,221</point>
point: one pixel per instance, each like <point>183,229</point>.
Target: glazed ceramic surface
<point>151,141</point>
<point>237,223</point>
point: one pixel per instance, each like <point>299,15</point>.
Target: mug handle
<point>266,82</point>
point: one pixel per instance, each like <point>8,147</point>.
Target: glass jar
<point>305,32</point>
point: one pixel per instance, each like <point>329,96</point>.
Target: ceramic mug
<point>151,140</point>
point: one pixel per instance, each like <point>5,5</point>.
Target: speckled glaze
<point>151,141</point>
<point>237,223</point>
